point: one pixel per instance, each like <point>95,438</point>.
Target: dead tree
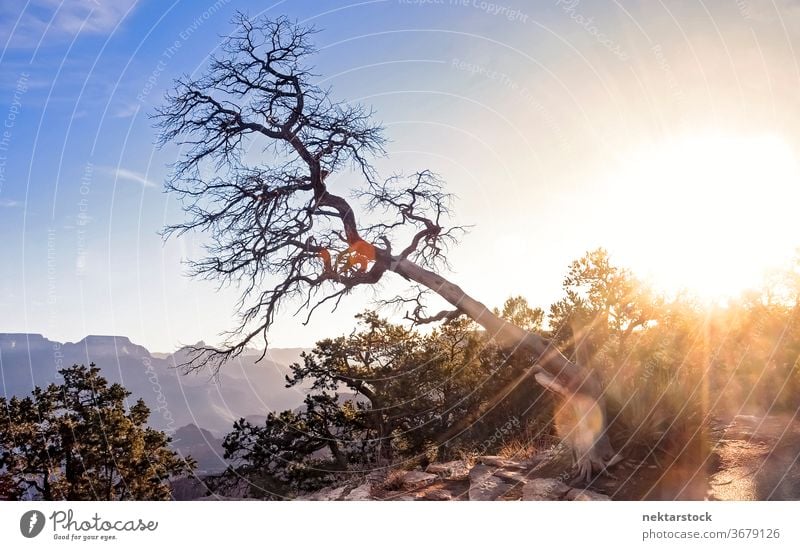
<point>277,228</point>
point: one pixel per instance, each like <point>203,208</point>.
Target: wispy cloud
<point>129,175</point>
<point>126,110</point>
<point>8,203</point>
<point>27,22</point>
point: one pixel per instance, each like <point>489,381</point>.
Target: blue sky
<point>555,123</point>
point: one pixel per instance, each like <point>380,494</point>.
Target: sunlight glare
<point>707,213</point>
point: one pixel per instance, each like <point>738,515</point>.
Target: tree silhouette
<point>281,230</point>
<point>386,395</point>
<point>77,440</point>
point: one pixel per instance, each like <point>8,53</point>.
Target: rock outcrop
<point>490,478</point>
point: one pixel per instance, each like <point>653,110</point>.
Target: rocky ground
<point>747,458</point>
<point>490,478</point>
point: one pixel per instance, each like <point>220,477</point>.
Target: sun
<point>709,212</point>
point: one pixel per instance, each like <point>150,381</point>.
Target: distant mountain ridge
<point>243,388</point>
<point>202,446</point>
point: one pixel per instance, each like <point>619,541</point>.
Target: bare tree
<point>279,230</point>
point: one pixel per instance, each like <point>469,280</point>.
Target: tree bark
<point>338,456</point>
<point>581,390</point>
<point>47,493</point>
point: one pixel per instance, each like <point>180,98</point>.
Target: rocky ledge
<point>489,478</point>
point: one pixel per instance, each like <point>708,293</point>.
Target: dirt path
<point>746,458</point>
<point>759,459</point>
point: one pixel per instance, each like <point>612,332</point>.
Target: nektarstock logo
<point>31,523</point>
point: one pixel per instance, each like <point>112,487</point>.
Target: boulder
<point>415,479</point>
<point>585,494</point>
<point>544,489</point>
<point>490,488</point>
<point>513,476</point>
<point>483,485</point>
<point>334,493</point>
<point>399,496</point>
<point>453,470</point>
<point>479,472</point>
<point>362,492</point>
<point>435,494</point>
<point>496,461</point>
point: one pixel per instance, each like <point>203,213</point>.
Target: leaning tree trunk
<point>586,433</point>
<point>277,101</point>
